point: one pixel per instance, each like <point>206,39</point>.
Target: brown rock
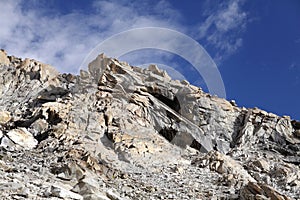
<point>47,72</point>
<point>264,191</point>
<point>4,117</point>
<point>3,58</point>
<point>272,193</point>
<point>262,164</point>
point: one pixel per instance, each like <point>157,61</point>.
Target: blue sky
<point>255,44</point>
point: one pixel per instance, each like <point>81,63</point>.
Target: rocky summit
<point>119,132</point>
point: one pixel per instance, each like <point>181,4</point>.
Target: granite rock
<point>118,131</point>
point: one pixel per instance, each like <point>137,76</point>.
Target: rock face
<point>121,132</point>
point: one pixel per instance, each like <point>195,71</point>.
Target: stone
<point>140,100</point>
<point>47,72</point>
<point>97,66</point>
<point>154,69</point>
<point>4,117</point>
<point>39,126</point>
<point>3,58</point>
<point>262,164</point>
<point>6,142</point>
<point>61,192</point>
<point>272,193</point>
<point>113,195</point>
<point>251,190</point>
<point>22,137</point>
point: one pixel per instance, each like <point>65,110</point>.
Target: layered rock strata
<point>121,132</point>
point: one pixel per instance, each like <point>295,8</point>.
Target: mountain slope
<point>122,132</point>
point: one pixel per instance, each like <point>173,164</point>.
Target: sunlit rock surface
<point>121,132</point>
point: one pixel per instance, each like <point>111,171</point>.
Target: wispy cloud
<point>63,40</point>
<point>223,26</point>
<point>31,29</point>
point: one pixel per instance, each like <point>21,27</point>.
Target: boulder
<point>22,137</point>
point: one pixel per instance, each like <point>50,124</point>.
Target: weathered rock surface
<point>121,132</point>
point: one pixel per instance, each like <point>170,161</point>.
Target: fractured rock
<point>22,137</point>
<point>121,132</point>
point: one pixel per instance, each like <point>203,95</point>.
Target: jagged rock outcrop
<point>122,132</point>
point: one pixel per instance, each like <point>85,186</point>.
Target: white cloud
<point>223,26</point>
<point>63,40</point>
<point>31,29</point>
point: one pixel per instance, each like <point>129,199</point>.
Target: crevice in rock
<point>53,117</point>
<point>42,136</point>
<point>239,123</point>
<point>296,124</point>
<point>109,135</point>
<point>49,94</point>
<point>172,103</point>
<point>168,133</point>
<point>196,145</point>
<point>57,91</point>
<point>27,122</point>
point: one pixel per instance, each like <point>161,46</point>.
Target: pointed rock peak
<point>3,58</point>
<point>98,66</point>
<point>154,69</point>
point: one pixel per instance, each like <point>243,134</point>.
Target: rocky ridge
<point>121,132</point>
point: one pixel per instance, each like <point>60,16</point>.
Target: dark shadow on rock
<point>196,145</point>
<point>238,126</point>
<point>49,94</point>
<point>296,124</point>
<point>42,136</point>
<point>27,119</point>
<point>174,104</point>
<point>168,133</point>
<point>53,117</point>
